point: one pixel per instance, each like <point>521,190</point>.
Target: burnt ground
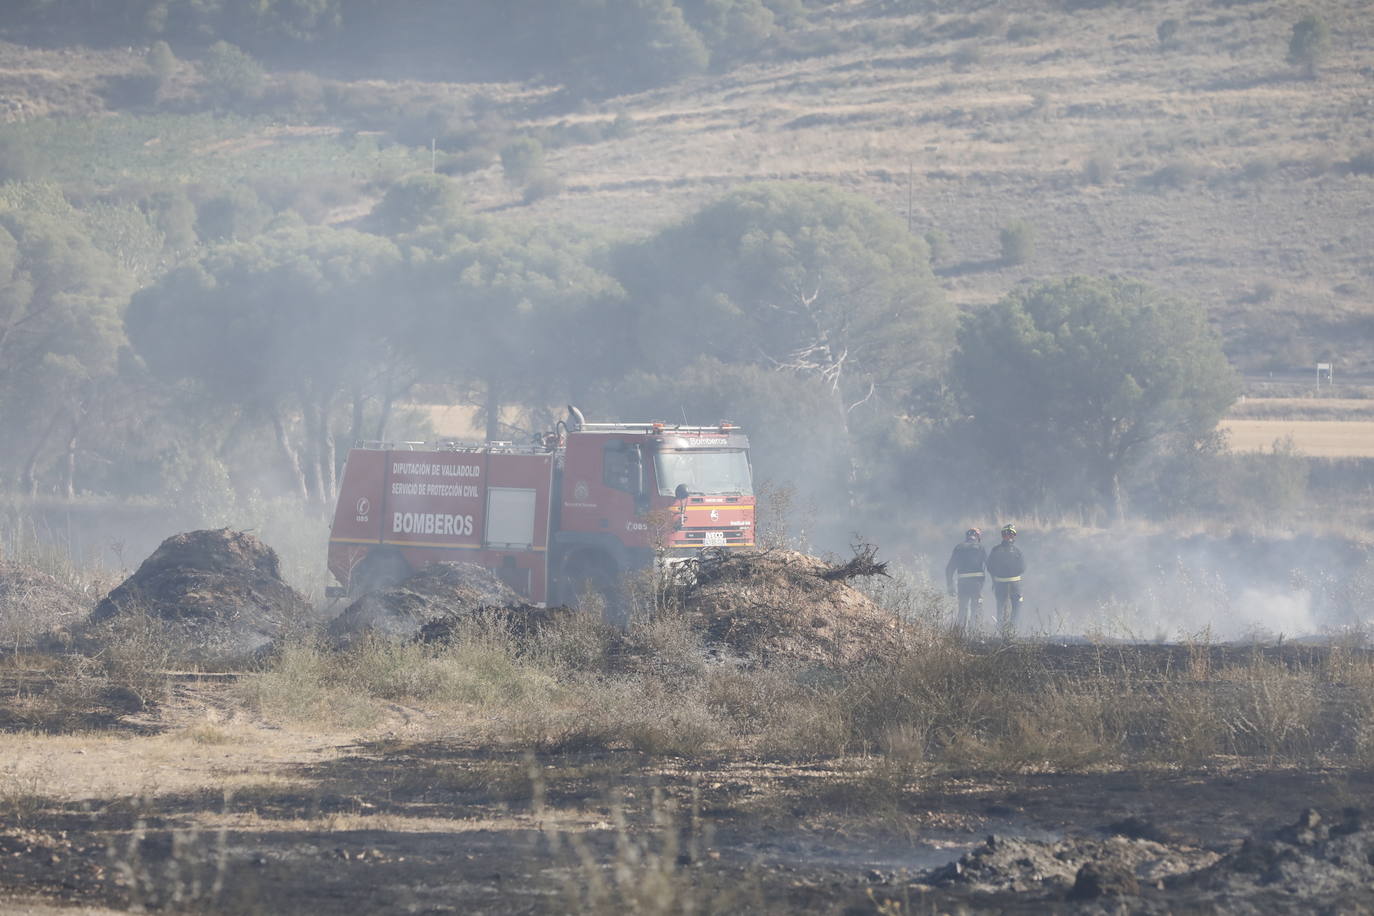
<point>196,805</point>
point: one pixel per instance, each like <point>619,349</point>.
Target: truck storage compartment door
<point>510,518</point>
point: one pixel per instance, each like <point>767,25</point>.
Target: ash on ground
<point>217,593</point>
<point>1310,865</point>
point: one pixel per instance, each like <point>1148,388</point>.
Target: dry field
<point>1317,427</point>
<point>1314,438</point>
<point>494,775</point>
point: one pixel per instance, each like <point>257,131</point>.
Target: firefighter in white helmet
<point>966,566</point>
<point>1007,566</point>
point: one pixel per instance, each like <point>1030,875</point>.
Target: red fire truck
<point>575,510</point>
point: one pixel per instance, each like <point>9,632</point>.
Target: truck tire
<point>380,570</point>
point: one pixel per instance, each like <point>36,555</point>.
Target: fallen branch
<point>864,563</point>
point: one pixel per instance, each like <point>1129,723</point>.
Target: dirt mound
<point>1309,864</point>
<point>440,591</point>
<point>781,605</point>
<point>222,590</point>
<point>33,603</point>
<point>1080,868</point>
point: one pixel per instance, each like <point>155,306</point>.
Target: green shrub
<point>235,214</point>
<point>1099,168</point>
<point>20,156</point>
<point>173,214</point>
<point>1261,169</point>
<point>1167,32</point>
<point>162,63</point>
<point>967,57</point>
<point>1362,163</point>
<point>938,242</point>
<point>521,160</point>
<point>232,77</point>
<point>1309,43</point>
<point>1174,175</point>
<point>1018,242</point>
<point>541,185</point>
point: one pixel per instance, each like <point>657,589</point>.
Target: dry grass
<point>1315,438</point>
<point>935,704</point>
<point>1308,408</point>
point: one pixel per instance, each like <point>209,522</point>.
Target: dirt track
<point>415,817</point>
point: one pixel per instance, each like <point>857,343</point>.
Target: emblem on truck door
<point>581,491</point>
<point>363,508</point>
<point>715,515</point>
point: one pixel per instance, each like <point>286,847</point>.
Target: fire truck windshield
<point>703,472</point>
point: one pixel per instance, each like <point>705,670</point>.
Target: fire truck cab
<point>573,511</point>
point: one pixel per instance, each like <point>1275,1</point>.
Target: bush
<point>162,63</point>
<point>1174,175</point>
<point>1167,32</point>
<point>173,214</point>
<point>541,185</point>
<point>938,243</point>
<point>232,77</point>
<point>522,159</point>
<point>967,57</point>
<point>1098,168</point>
<point>234,214</point>
<point>1362,163</point>
<point>1018,242</point>
<point>1258,170</point>
<point>1309,43</point>
<point>20,157</point>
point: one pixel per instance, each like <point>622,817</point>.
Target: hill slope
<point>1205,164</point>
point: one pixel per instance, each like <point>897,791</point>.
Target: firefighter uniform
<point>1006,566</point>
<point>966,566</point>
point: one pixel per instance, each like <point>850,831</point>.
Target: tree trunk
<point>1112,496</point>
<point>355,432</point>
<point>493,410</point>
<point>313,481</point>
<point>293,458</point>
<point>28,481</point>
<point>328,458</point>
<point>69,463</point>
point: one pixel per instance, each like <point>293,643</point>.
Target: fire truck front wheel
<point>379,570</point>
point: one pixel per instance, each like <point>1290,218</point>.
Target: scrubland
<point>592,769</point>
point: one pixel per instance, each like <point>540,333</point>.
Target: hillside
<point>1205,164</point>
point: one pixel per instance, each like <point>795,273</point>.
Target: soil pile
<point>780,605</point>
<point>1079,868</point>
<point>440,592</point>
<point>33,604</point>
<point>221,590</point>
<point>1308,865</point>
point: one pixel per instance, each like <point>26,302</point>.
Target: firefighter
<point>966,564</point>
<point>1006,566</point>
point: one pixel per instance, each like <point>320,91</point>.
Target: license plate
<point>715,539</point>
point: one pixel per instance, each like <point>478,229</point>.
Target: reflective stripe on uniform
<point>970,575</point>
<point>1007,579</point>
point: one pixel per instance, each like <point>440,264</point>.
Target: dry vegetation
<point>1206,166</point>
<point>1201,162</point>
<point>585,768</point>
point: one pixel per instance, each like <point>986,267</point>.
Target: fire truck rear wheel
<point>379,571</point>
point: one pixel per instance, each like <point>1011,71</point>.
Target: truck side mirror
<point>680,492</point>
